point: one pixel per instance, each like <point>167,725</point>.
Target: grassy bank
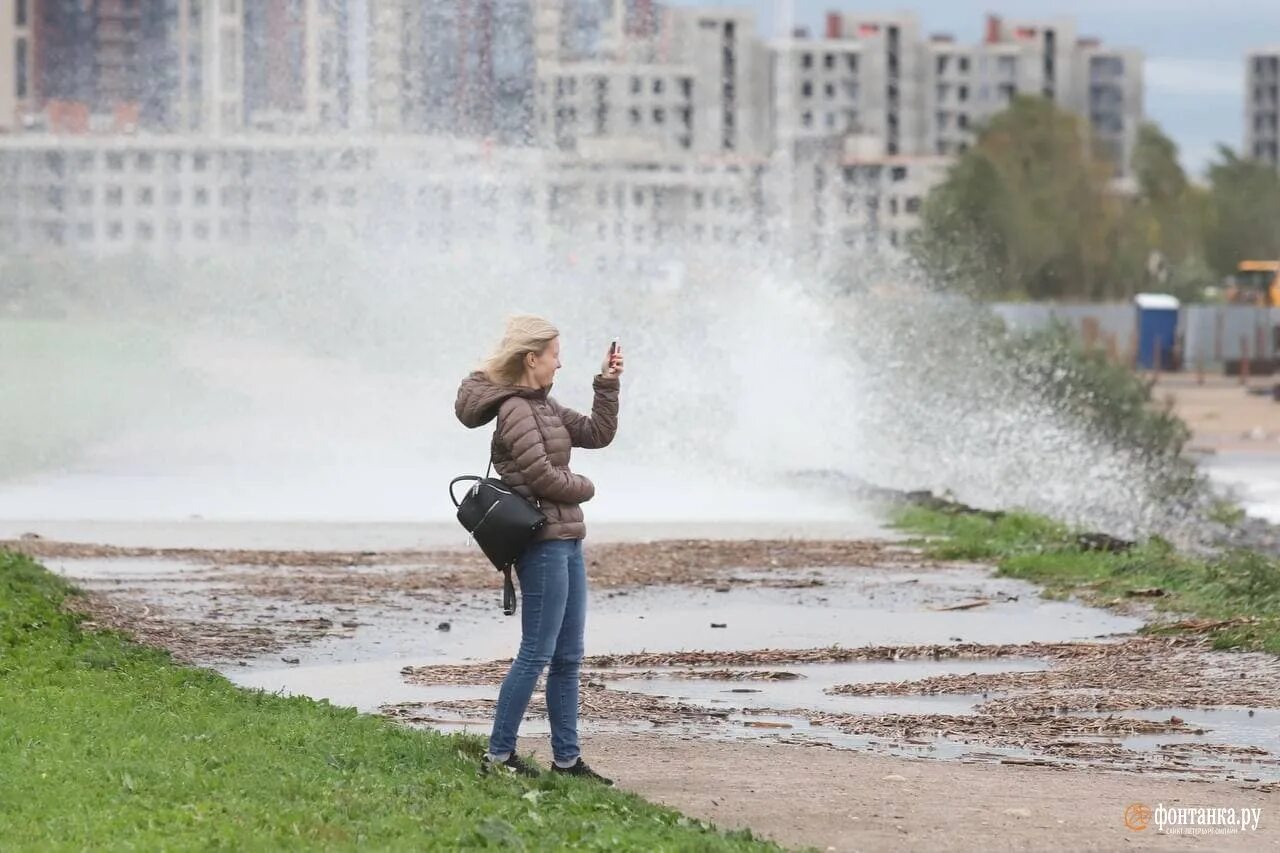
<point>1233,597</point>
<point>107,743</point>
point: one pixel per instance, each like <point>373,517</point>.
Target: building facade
<point>655,127</point>
<point>1262,106</point>
<point>18,83</point>
<point>197,195</point>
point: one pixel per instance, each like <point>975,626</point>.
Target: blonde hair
<point>525,333</point>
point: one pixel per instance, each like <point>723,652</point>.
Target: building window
<point>806,60</point>
<point>963,62</point>
<point>830,90</point>
<point>230,50</point>
<point>20,67</point>
<point>115,196</point>
<point>20,13</point>
<point>964,93</point>
<point>657,85</point>
<point>913,204</point>
<point>115,162</point>
<point>659,115</point>
<point>200,162</point>
<point>806,119</point>
<point>636,85</point>
<point>898,173</point>
<point>173,196</point>
<point>146,231</point>
<point>85,196</point>
<point>146,196</point>
<point>635,116</point>
<point>806,89</point>
<point>852,61</point>
<point>115,230</point>
<point>829,61</point>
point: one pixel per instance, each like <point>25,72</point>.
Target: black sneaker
<point>581,769</point>
<point>513,764</point>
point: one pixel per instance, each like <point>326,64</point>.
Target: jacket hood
<point>479,398</point>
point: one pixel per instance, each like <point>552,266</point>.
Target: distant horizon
<point>1194,83</point>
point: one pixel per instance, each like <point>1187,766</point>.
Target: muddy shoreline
<point>1081,697</point>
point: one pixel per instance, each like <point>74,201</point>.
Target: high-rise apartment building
<point>1262,105</point>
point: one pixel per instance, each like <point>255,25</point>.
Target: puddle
<point>876,608</point>
<point>809,690</point>
<point>1224,726</point>
<point>90,572</point>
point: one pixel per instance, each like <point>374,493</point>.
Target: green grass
<point>1232,585</point>
<point>105,743</point>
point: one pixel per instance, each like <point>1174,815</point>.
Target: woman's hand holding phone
<point>612,366</point>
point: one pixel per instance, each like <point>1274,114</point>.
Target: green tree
<point>1027,212</point>
<point>1169,215</point>
<point>1244,212</point>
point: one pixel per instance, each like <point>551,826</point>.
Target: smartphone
<point>613,349</point>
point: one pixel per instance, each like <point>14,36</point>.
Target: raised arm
<point>598,429</point>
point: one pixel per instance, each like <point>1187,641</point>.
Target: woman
<point>531,454</point>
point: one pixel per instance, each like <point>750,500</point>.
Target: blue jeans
<point>553,599</point>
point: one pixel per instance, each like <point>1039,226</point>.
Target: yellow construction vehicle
<point>1256,283</point>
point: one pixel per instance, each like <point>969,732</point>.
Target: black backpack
<point>500,521</point>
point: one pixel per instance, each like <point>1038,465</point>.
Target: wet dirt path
<point>847,800</point>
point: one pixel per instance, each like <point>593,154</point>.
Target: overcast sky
<point>1194,49</point>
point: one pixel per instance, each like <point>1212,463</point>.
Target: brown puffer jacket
<point>531,445</point>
